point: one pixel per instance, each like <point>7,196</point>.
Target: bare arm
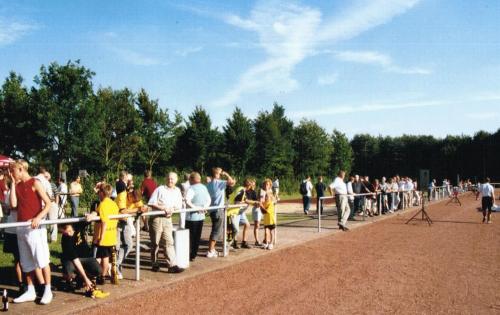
<point>35,222</point>
<point>82,273</point>
<point>230,180</point>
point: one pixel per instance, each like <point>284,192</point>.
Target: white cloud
<point>385,106</point>
<point>484,116</point>
<point>378,59</point>
<point>328,79</point>
<point>375,107</point>
<point>12,31</point>
<point>187,51</point>
<point>135,58</point>
<point>289,33</point>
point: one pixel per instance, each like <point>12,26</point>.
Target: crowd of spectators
<point>90,261</point>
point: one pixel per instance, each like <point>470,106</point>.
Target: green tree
<point>62,91</point>
<point>312,148</point>
<point>273,144</point>
<point>119,126</point>
<point>197,145</point>
<point>21,132</point>
<point>158,131</point>
<point>342,155</point>
<point>239,142</point>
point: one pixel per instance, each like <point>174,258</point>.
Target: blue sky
<point>388,67</point>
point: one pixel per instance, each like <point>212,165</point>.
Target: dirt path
<point>387,267</point>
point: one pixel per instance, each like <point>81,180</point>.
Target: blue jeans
<point>75,200</point>
<point>307,203</point>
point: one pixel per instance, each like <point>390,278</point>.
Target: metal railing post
<point>224,232</point>
<point>275,238</point>
<point>320,204</point>
<point>138,248</point>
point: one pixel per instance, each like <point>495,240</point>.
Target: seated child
<point>76,258</point>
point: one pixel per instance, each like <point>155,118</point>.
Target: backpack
<point>303,188</point>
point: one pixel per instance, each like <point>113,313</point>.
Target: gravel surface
<point>386,267</point>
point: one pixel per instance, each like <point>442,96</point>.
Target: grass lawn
<point>7,260</point>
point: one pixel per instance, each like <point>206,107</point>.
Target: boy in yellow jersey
<point>105,230</point>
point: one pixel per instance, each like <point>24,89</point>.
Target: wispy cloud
<point>328,79</point>
<point>290,32</point>
<point>11,31</point>
<point>484,116</point>
<point>378,59</point>
<point>134,57</point>
<point>188,51</point>
<point>388,106</point>
<point>375,107</point>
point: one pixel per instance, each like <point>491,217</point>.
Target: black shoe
<point>341,227</point>
<point>155,268</point>
<point>235,245</point>
<point>352,219</point>
<point>245,245</point>
<point>258,244</point>
<point>175,269</point>
<point>99,280</point>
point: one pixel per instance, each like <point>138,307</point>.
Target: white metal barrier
<point>439,194</point>
<point>137,225</point>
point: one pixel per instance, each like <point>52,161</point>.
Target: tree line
<point>66,124</point>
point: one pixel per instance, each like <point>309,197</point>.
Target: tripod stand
<point>422,211</point>
<point>454,199</point>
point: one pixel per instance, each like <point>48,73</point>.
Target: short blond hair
<point>20,163</point>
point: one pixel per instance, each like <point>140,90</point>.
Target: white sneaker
<point>270,246</point>
<point>212,254</point>
<point>28,296</point>
<point>265,246</point>
<point>120,276</point>
<point>47,296</point>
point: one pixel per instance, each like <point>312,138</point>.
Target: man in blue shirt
<point>217,190</point>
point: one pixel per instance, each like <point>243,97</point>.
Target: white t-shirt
<point>350,192</point>
<point>338,186</point>
<point>309,187</point>
<point>486,190</point>
<point>165,197</point>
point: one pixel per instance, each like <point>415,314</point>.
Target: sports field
<point>386,267</point>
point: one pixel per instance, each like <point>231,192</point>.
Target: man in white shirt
<point>306,194</point>
<point>169,199</point>
<point>339,189</point>
<point>488,193</point>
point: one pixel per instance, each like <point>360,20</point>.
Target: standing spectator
<point>217,190</point>
<point>306,188</point>
<point>375,189</point>
<point>267,206</point>
<point>395,193</point>
<point>359,188</point>
<point>432,189</point>
<point>369,200</point>
<point>127,231</point>
<point>63,191</point>
<point>3,188</point>
<point>384,207</point>
<point>320,192</point>
<point>253,200</point>
<point>148,185</point>
<point>350,198</point>
<point>75,190</point>
<point>10,241</point>
<point>54,208</point>
<point>184,188</point>
<point>276,188</point>
<point>27,194</point>
<point>488,193</point>
<point>105,231</point>
<point>339,189</point>
<point>197,196</point>
<point>167,198</point>
<point>242,219</point>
